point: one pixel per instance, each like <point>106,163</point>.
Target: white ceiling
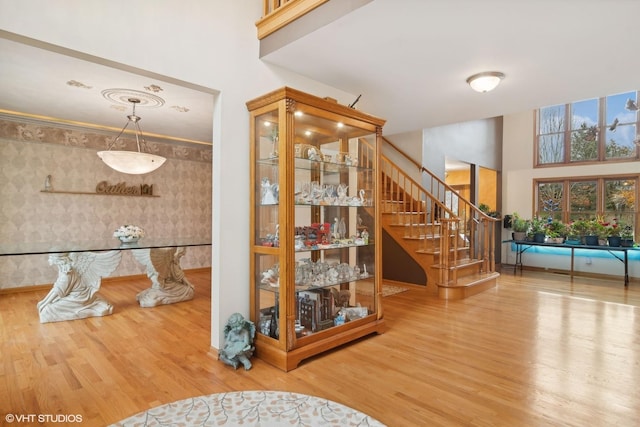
<point>50,82</point>
<point>408,58</point>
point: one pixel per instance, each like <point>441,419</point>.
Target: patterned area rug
<point>387,290</point>
<point>251,408</point>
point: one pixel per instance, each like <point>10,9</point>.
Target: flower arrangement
<point>612,228</point>
<point>129,232</point>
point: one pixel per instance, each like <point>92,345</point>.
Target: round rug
<point>251,408</point>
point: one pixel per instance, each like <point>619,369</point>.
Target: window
<point>588,197</point>
<point>592,130</point>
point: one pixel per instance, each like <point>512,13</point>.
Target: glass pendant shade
<point>485,82</point>
<point>131,162</point>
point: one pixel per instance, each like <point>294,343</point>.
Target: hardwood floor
<point>537,350</point>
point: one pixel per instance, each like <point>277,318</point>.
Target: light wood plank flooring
<point>538,350</point>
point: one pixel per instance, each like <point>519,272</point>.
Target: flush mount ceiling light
<point>132,162</point>
<point>484,82</point>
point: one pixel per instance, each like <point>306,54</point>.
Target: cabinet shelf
<point>315,267</point>
<point>368,281</point>
<point>307,164</point>
<point>332,247</point>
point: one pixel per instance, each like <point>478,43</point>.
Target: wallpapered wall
<point>31,151</point>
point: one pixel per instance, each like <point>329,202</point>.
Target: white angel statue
<point>168,282</point>
<point>74,294</point>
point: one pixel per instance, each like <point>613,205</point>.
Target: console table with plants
<point>621,253</point>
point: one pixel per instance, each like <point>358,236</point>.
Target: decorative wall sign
<point>107,189</point>
<point>122,189</point>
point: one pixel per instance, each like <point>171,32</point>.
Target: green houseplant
<point>577,230</point>
<point>626,235</point>
<point>613,231</point>
<point>486,209</point>
<point>538,229</point>
<point>557,231</point>
<point>593,232</point>
<point>520,226</point>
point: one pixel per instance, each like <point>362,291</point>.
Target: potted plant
<point>486,209</point>
<point>613,230</point>
<point>556,231</point>
<point>538,229</point>
<point>594,230</point>
<point>576,232</point>
<point>626,235</point>
<point>520,226</point>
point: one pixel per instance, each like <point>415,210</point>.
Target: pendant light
<point>132,162</point>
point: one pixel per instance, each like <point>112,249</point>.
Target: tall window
<point>588,197</point>
<point>604,129</point>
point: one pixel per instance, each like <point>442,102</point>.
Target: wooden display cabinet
<point>315,245</point>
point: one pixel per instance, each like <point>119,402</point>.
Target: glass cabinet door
<point>265,217</point>
<point>334,234</point>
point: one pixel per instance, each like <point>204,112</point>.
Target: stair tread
<point>422,237</point>
<point>409,225</point>
<point>407,213</point>
<point>461,263</point>
<point>437,251</point>
<point>471,280</point>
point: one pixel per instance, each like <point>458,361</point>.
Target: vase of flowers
<point>129,233</point>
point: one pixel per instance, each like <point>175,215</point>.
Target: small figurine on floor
<point>238,348</point>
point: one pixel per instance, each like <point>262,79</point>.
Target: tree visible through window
<point>590,130</point>
<point>551,134</point>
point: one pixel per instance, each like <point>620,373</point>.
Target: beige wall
<point>29,152</point>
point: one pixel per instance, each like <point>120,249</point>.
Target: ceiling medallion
<point>122,96</point>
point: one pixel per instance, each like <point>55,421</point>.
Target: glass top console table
<point>97,245</point>
<point>82,265</point>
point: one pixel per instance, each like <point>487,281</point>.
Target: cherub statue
<point>238,348</point>
<point>75,293</point>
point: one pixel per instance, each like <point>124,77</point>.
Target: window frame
<point>602,127</point>
<point>600,209</point>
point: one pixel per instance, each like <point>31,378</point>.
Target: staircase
<point>450,238</point>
